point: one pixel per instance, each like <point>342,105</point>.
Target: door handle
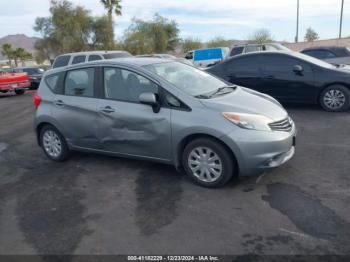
<point>107,109</point>
<point>59,103</point>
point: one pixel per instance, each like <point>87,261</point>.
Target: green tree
<point>218,42</point>
<point>156,36</point>
<point>68,29</point>
<point>102,36</point>
<point>191,43</point>
<point>8,51</point>
<point>311,35</point>
<point>110,6</point>
<point>22,55</point>
<point>261,36</point>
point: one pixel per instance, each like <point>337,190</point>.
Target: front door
<point>280,80</point>
<point>127,126</point>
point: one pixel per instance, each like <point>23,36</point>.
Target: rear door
<point>281,81</point>
<point>243,71</point>
<point>75,107</point>
<point>125,125</point>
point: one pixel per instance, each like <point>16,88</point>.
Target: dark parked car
<point>290,77</point>
<point>34,73</point>
<point>332,54</point>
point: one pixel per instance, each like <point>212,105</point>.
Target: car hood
<point>244,100</point>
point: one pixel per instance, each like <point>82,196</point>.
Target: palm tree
<point>110,6</point>
<point>21,54</point>
<point>8,51</point>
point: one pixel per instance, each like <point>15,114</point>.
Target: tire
<point>54,144</point>
<point>197,166</point>
<point>335,98</point>
<point>19,92</point>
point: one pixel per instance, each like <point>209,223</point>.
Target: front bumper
<point>260,151</point>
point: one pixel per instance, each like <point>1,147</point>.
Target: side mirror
<point>151,99</point>
<point>298,69</point>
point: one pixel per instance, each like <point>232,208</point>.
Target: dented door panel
<point>134,129</point>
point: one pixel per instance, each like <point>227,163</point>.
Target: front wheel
<point>335,98</point>
<point>208,163</point>
<point>19,91</point>
<point>53,144</point>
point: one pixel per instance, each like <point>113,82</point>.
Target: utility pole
<point>297,33</point>
<point>341,18</point>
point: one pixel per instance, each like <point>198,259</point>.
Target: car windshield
<point>191,80</point>
<point>313,60</point>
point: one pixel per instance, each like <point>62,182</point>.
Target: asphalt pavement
<point>95,204</point>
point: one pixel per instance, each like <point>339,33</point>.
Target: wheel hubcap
<point>52,143</point>
<point>205,164</point>
<point>334,99</point>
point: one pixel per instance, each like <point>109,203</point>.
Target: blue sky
<point>205,19</point>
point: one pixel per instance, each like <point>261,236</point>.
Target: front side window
<point>80,82</point>
<point>125,85</point>
<point>94,57</point>
<point>78,59</point>
<point>191,80</point>
<point>280,63</point>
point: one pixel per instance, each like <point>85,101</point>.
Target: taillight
<point>37,100</point>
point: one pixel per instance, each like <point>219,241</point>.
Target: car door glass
<point>125,85</point>
<point>61,61</point>
<point>282,64</point>
<point>78,59</point>
<point>236,51</point>
<point>246,64</point>
<point>94,57</point>
<point>80,82</point>
<point>249,49</point>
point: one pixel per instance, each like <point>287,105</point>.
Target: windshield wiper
<point>220,91</point>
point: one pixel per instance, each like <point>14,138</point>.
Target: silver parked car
<point>165,111</point>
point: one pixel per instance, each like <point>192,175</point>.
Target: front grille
<point>282,125</point>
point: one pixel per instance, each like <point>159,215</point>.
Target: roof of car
<point>133,61</point>
<point>95,52</point>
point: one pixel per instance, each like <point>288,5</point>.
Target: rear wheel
<point>208,163</point>
<point>335,98</point>
<point>19,91</point>
<point>53,143</point>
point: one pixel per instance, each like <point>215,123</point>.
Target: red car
<point>14,82</point>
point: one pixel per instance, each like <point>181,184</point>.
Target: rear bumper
<point>15,86</point>
<point>258,151</point>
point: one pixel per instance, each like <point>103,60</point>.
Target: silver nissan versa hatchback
<point>165,111</point>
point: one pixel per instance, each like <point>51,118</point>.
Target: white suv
<point>82,57</point>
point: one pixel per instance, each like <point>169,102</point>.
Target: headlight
<point>249,121</point>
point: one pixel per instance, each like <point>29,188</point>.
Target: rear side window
<point>78,59</point>
<point>237,51</point>
<point>94,58</point>
<point>61,61</point>
<point>80,82</point>
<point>52,82</point>
<point>244,64</point>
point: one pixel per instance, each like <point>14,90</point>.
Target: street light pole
<point>297,33</point>
<point>341,18</point>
